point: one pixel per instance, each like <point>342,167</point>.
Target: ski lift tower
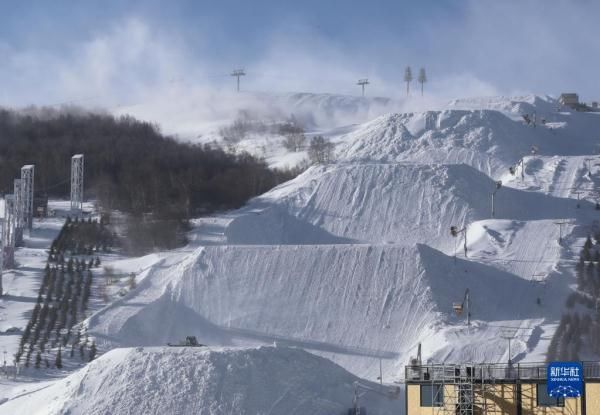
<point>27,176</point>
<point>237,73</point>
<point>77,182</point>
<point>18,212</point>
<point>362,83</point>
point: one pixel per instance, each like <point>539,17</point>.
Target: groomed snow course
<point>349,255</point>
<point>354,262</point>
<point>383,203</point>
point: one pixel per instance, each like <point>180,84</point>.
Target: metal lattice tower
<point>9,234</point>
<point>77,182</point>
<point>2,236</point>
<point>27,177</point>
<point>18,212</point>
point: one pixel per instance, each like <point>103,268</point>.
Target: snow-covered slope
<point>179,381</point>
<point>525,104</point>
<point>354,260</point>
<point>488,140</point>
<point>352,303</point>
<point>384,203</point>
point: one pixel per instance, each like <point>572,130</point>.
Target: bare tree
<point>320,150</point>
<point>422,78</point>
<point>408,77</point>
<point>294,141</point>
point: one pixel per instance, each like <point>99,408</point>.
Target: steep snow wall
<point>353,303</point>
<point>384,203</point>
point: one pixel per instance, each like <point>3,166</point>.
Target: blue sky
<point>117,50</point>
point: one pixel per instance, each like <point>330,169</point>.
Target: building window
<point>432,395</point>
<point>543,399</point>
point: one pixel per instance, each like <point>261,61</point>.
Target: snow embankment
<point>352,303</point>
<point>385,203</point>
<point>265,380</point>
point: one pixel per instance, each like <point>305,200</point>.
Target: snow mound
<point>351,303</point>
<point>383,203</point>
<point>490,141</point>
<point>525,104</point>
<point>263,380</point>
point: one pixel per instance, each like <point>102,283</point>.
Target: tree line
<point>129,164</point>
<point>579,328</point>
<point>64,295</point>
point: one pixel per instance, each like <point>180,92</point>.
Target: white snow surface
<point>179,381</point>
<point>354,261</point>
<point>488,140</point>
<point>383,203</point>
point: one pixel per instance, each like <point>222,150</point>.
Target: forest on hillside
<point>129,164</point>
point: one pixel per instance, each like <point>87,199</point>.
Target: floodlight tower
<point>237,73</point>
<point>77,182</point>
<point>9,231</point>
<point>362,83</point>
<point>18,212</point>
<point>2,236</point>
<point>27,176</point>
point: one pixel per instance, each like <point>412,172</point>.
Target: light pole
<point>560,225</point>
<point>498,186</point>
<point>541,282</point>
<point>513,169</point>
<point>509,334</point>
<point>454,231</point>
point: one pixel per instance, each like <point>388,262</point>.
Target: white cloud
<point>493,48</point>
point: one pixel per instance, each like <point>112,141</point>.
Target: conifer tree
<point>58,362</point>
<point>92,354</point>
